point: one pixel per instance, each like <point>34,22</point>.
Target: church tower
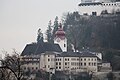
<point>61,39</point>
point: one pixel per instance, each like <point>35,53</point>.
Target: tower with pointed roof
<point>60,38</point>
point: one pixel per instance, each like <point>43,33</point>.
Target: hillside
<point>99,33</point>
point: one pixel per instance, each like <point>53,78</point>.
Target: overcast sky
<point>20,19</point>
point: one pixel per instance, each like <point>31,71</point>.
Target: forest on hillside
<point>99,32</point>
<point>96,33</point>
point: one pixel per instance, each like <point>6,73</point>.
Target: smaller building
<point>105,67</point>
<point>30,63</point>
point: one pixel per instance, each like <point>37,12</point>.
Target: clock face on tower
<point>58,39</point>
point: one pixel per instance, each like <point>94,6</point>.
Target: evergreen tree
<point>40,36</point>
<point>99,33</point>
<point>56,25</point>
<point>49,33</point>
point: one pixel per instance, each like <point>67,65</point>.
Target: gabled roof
<point>37,48</point>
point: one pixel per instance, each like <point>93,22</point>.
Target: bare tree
<point>11,67</point>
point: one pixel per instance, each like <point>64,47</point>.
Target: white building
<point>68,61</point>
<point>93,7</point>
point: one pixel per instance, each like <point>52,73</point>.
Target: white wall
<point>89,9</point>
<point>110,7</point>
<point>88,60</point>
<point>61,44</point>
<point>59,63</point>
<point>47,62</point>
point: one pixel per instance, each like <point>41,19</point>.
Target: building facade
<point>89,7</point>
<point>66,61</point>
<point>52,57</point>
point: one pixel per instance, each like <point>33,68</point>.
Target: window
<point>89,64</point>
<point>59,67</point>
<point>72,63</point>
<point>36,68</point>
<point>56,63</point>
<point>94,64</point>
<point>45,66</point>
<point>48,55</point>
<point>81,59</point>
<point>64,45</point>
<point>84,64</point>
<point>59,63</point>
<point>65,59</point>
<point>95,59</point>
<point>60,59</point>
<point>68,59</point>
<point>94,13</point>
<point>48,66</point>
<point>65,63</point>
<point>91,59</point>
<point>88,59</point>
<point>81,64</point>
<point>48,59</point>
<point>73,59</point>
<point>85,59</point>
<point>75,63</point>
<point>56,67</point>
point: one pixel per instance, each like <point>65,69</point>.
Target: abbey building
<point>55,57</point>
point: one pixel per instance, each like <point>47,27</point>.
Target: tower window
<point>64,45</point>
